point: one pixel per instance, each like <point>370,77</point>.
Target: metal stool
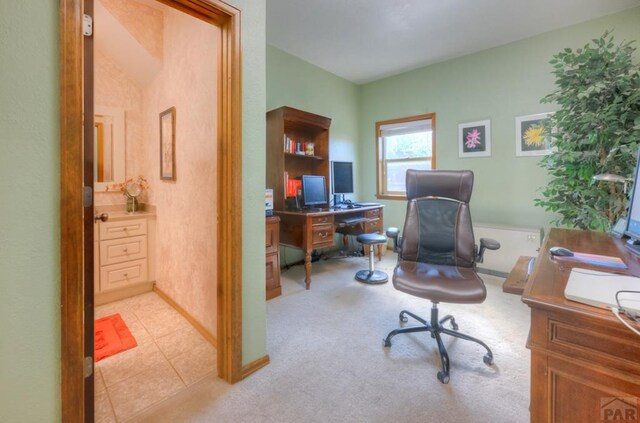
<point>371,275</point>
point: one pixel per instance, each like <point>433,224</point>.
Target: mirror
<point>108,147</point>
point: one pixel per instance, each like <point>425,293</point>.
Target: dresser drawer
<point>322,235</point>
<point>321,220</point>
<point>372,226</point>
<point>372,214</point>
<point>122,274</point>
<point>123,249</point>
<point>123,228</point>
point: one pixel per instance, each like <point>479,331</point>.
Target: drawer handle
<point>126,275</point>
<point>124,250</point>
<point>322,220</point>
<point>323,234</point>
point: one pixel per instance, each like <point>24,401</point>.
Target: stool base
<point>374,278</point>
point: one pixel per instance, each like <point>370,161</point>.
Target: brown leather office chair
<point>437,254</point>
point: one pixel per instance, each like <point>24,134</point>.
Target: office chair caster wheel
<point>443,377</point>
<point>386,343</point>
<point>403,318</point>
<point>488,359</point>
<point>454,325</point>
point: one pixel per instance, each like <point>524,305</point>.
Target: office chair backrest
<point>437,228</point>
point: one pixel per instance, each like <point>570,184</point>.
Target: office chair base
<point>435,328</point>
<point>372,277</point>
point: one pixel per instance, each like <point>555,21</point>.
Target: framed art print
<point>532,135</point>
<point>474,139</point>
<point>168,144</point>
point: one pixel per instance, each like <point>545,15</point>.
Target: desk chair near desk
<point>437,254</point>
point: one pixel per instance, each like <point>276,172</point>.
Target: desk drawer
<point>122,274</point>
<point>372,226</point>
<point>371,214</point>
<point>114,251</point>
<point>322,235</point>
<point>321,220</point>
<point>609,344</point>
<point>123,228</point>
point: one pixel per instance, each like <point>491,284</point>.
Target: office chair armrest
<point>394,233</point>
<point>486,244</point>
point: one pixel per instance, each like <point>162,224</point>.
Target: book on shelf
<point>301,148</point>
<point>293,186</point>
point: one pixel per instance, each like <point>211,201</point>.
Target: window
<point>407,143</point>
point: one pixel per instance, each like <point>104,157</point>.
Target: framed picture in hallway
<point>168,144</point>
<point>474,139</point>
<point>532,135</point>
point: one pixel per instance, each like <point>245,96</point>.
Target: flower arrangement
<point>122,186</point>
<point>131,188</point>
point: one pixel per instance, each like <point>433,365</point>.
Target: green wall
<point>299,84</point>
<point>29,209</point>
<point>29,213</point>
<point>497,84</point>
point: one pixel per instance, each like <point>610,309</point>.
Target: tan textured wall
<point>142,21</point>
<point>186,209</point>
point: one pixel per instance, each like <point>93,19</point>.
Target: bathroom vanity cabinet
<point>123,259</point>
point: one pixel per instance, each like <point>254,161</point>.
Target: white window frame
<point>381,163</point>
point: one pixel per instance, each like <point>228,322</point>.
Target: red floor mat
<point>111,337</point>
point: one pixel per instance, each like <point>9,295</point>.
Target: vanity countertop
<point>115,216</point>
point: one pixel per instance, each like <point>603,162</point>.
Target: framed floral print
<point>474,139</point>
<point>532,137</point>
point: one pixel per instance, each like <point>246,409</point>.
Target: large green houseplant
<point>596,130</point>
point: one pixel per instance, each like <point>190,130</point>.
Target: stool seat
<point>372,276</point>
<point>370,239</point>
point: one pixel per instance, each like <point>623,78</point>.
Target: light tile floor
<point>170,356</point>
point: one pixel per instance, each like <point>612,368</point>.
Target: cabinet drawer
<point>123,249</point>
<point>123,228</point>
<point>272,271</point>
<point>372,226</point>
<point>371,214</point>
<point>322,235</point>
<point>272,237</point>
<point>122,274</point>
<point>321,220</point>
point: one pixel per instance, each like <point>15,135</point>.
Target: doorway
<point>154,72</point>
<point>77,311</point>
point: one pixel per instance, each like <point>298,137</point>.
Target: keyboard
<point>352,220</point>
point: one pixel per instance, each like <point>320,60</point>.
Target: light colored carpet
<point>328,363</point>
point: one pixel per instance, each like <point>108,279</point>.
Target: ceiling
<point>365,40</point>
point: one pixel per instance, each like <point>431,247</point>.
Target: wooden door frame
<point>229,180</point>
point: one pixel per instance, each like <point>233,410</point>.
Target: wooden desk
<point>582,357</point>
<point>311,230</point>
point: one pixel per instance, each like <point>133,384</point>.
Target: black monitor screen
<point>342,177</point>
<point>633,226</point>
<point>313,190</point>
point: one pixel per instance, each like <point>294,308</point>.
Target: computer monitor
<point>633,222</point>
<point>342,177</point>
<point>314,191</point>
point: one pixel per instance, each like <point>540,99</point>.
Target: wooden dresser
<point>273,257</point>
<point>585,364</point>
